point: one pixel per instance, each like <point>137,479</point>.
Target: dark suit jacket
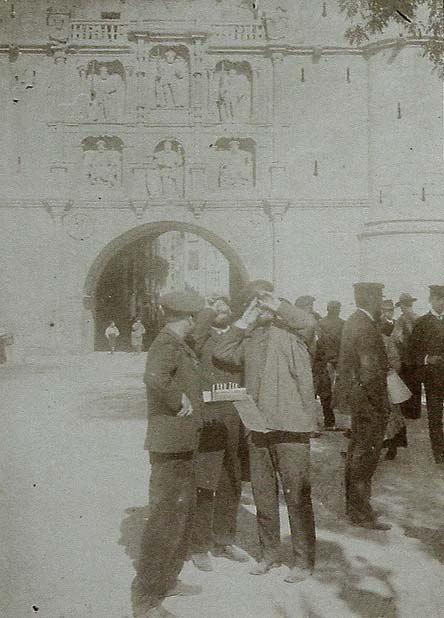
<point>427,338</point>
<point>362,369</point>
<point>172,369</point>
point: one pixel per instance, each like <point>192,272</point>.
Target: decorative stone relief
<point>165,173</point>
<point>102,91</point>
<point>233,82</point>
<point>78,225</point>
<point>171,76</point>
<point>58,21</point>
<point>277,24</point>
<point>102,160</point>
<point>236,164</point>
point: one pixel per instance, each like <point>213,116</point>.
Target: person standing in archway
<point>137,332</point>
<point>111,333</point>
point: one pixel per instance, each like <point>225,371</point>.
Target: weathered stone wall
<point>311,162</point>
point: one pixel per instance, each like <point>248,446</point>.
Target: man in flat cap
<point>362,385</point>
<point>401,336</point>
<point>326,359</point>
<point>217,464</point>
<point>426,354</point>
<point>269,343</point>
<point>173,387</point>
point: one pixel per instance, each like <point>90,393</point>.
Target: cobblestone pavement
<point>74,498</point>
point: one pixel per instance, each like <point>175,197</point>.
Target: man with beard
<point>217,465</point>
<point>269,343</point>
<point>362,386</point>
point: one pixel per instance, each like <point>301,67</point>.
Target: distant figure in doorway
<point>137,333</point>
<point>111,333</point>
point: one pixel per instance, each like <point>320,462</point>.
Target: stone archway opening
<point>133,270</point>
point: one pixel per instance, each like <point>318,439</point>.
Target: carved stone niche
<point>165,175</point>
<point>58,20</point>
<point>234,165</point>
<point>168,77</point>
<point>102,163</point>
<point>232,91</point>
<point>101,91</point>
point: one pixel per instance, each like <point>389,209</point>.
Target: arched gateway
<point>130,272</point>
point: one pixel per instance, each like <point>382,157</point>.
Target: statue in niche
<point>102,166</point>
<point>236,168</point>
<point>153,181</point>
<point>106,95</point>
<point>234,95</point>
<point>170,163</point>
<point>171,80</point>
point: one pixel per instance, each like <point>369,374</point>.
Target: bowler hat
<point>437,290</point>
<point>405,299</point>
<point>182,302</point>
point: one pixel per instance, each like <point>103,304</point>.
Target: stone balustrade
<point>239,33</point>
<point>97,32</point>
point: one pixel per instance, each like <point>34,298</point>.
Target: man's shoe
<point>181,589</point>
<point>202,561</point>
<point>263,567</point>
<point>231,552</point>
<point>371,525</point>
<point>297,575</point>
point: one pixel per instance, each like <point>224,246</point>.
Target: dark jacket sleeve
<point>202,329</point>
<point>160,370</point>
<point>231,347</point>
<point>297,320</point>
<point>373,369</point>
<point>416,346</point>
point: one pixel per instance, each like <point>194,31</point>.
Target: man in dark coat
<point>426,353</point>
<point>173,386</point>
<point>326,359</point>
<point>217,464</point>
<point>362,386</point>
<point>269,343</point>
<point>401,336</point>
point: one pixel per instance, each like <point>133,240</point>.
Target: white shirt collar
<point>366,313</point>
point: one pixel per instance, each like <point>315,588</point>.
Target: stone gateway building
<point>200,143</point>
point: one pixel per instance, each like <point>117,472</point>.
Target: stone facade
<point>256,127</point>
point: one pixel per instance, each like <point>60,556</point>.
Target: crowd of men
<point>284,354</point>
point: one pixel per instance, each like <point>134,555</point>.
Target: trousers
<point>364,450</point>
<point>215,516</point>
<point>435,401</point>
<point>165,537</point>
<point>412,407</point>
<point>284,456</point>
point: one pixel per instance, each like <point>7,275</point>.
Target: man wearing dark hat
<point>173,387</point>
<point>362,385</point>
<point>387,322</point>
<point>401,335</point>
<point>269,343</point>
<point>217,464</point>
<point>326,359</point>
<point>426,353</point>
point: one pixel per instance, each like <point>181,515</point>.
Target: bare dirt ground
<point>74,494</point>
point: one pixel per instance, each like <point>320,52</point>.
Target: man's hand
<point>250,315</point>
<point>268,301</point>
<point>187,408</point>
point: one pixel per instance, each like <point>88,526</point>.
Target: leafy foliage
<point>421,19</point>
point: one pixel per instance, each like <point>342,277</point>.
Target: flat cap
<point>303,301</point>
<point>405,299</point>
<point>182,302</point>
<point>437,290</point>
